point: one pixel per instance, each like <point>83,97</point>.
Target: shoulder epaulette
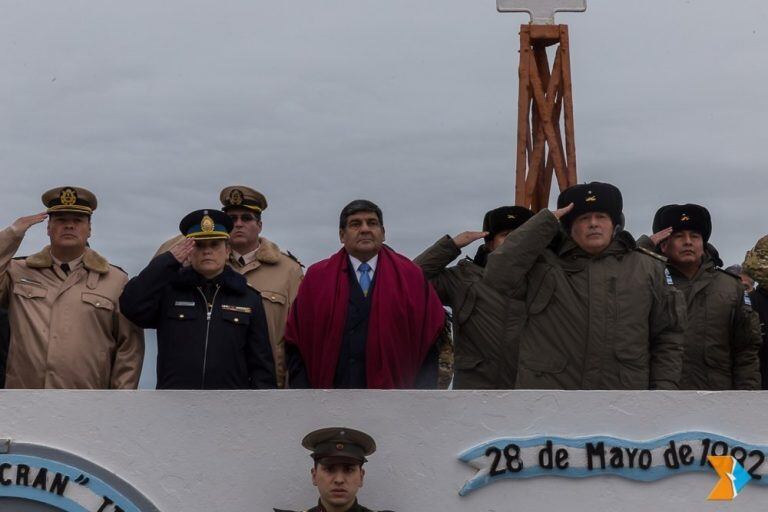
<point>253,288</point>
<point>118,268</point>
<point>294,258</point>
<point>652,254</point>
<point>729,273</point>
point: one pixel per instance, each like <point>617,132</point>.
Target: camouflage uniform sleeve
<point>746,346</point>
<point>9,244</point>
<point>433,263</point>
<point>508,265</point>
<point>667,330</point>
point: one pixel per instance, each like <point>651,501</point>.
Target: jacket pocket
<point>633,367</point>
<point>552,365</point>
<point>30,291</point>
<point>236,318</point>
<point>98,301</point>
<point>274,297</point>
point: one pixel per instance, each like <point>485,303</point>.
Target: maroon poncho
<point>405,320</point>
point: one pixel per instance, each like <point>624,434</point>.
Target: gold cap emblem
<point>236,197</point>
<point>591,199</point>
<point>684,217</point>
<point>510,216</point>
<point>207,225</point>
<point>339,446</point>
<point>68,196</point>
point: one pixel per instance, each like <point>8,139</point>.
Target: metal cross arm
<point>542,11</point>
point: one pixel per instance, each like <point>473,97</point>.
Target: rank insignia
<point>236,197</point>
<point>510,216</point>
<point>684,217</point>
<point>207,225</point>
<point>591,198</point>
<point>236,309</point>
<point>68,196</point>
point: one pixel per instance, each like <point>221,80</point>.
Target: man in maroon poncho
<point>365,317</point>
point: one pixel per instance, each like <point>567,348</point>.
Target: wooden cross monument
<point>545,102</point>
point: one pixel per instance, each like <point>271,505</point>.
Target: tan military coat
<point>276,276</point>
<point>66,333</point>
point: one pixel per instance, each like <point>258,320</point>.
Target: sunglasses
<point>245,217</point>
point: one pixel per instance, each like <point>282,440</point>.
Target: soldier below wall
<point>756,266</point>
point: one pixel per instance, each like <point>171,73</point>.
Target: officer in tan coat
<point>275,274</point>
<point>66,327</point>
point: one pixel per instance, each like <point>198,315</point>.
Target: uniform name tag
<point>747,300</point>
<point>668,276</point>
<point>184,303</point>
<point>237,309</point>
<point>29,281</point>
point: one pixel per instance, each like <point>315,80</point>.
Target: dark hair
<point>357,206</point>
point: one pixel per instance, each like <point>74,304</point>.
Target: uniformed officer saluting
<point>722,340</point>
<point>66,327</point>
<point>600,314</point>
<point>339,454</point>
<point>211,330</point>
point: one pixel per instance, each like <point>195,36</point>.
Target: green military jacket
<point>606,322</point>
<point>722,341</point>
<point>319,508</point>
<point>485,323</point>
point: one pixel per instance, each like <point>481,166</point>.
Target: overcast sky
<point>155,106</point>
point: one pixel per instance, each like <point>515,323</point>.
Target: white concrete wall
<point>240,451</point>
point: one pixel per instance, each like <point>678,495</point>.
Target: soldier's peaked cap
<point>681,217</point>
<point>69,200</point>
<point>339,444</point>
<point>239,196</point>
<point>206,225</point>
<point>592,197</point>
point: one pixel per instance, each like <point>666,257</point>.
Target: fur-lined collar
<point>268,252</point>
<point>91,260</point>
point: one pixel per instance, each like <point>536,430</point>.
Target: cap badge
<point>236,197</point>
<point>207,224</point>
<point>68,197</point>
<point>591,199</point>
<point>510,216</point>
<point>684,217</point>
<point>339,446</point>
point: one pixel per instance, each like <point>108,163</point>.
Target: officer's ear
<point>314,475</point>
<point>362,475</point>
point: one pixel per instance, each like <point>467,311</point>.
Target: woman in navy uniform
<point>211,328</point>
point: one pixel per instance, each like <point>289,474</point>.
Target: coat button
<point>29,294</point>
<point>273,297</point>
<point>181,316</point>
<point>98,304</point>
<point>237,320</point>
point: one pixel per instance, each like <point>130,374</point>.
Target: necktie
<point>365,278</point>
<point>241,261</point>
<point>65,268</point>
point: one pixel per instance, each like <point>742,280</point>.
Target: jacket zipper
<point>208,312</point>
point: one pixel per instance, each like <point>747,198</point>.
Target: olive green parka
<point>485,323</point>
<point>611,321</point>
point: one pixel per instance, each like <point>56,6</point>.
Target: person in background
<point>756,266</point>
<point>485,342</point>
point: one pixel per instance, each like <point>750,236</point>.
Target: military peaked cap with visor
<point>339,444</point>
<point>591,197</point>
<point>206,225</point>
<point>238,196</point>
<point>69,200</point>
<point>681,217</point>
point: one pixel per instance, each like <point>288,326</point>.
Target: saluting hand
<point>183,249</point>
<point>562,212</point>
<point>464,239</point>
<point>662,235</point>
<point>22,224</point>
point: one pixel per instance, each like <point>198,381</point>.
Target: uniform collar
<point>268,252</point>
<point>92,260</point>
<point>228,279</point>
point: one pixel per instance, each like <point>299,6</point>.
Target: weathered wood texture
<point>544,115</point>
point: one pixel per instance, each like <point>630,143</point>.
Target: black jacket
<point>224,347</point>
<point>759,298</point>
